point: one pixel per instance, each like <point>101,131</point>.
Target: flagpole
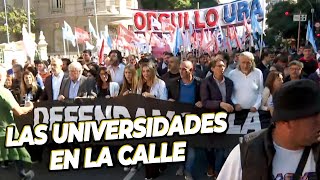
<point>96,17</point>
<point>91,41</point>
<point>299,30</point>
<point>7,25</point>
<point>64,48</point>
<point>68,49</point>
<point>29,20</point>
<point>77,42</point>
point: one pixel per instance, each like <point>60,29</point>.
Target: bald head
<point>187,64</point>
<point>186,70</point>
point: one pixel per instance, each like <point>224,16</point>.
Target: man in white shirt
<point>53,82</point>
<point>248,84</point>
<point>116,68</point>
<point>277,152</point>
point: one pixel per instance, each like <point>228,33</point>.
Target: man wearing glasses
<point>295,71</point>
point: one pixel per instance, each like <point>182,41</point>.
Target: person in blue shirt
<point>186,89</point>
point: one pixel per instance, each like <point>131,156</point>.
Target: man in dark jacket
<point>289,148</point>
<point>316,75</point>
<point>216,91</point>
<point>186,89</point>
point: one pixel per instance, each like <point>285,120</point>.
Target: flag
<point>310,37</point>
<point>106,36</point>
<point>167,26</point>
<point>89,46</point>
<point>177,41</point>
<point>128,35</point>
<point>101,52</point>
<point>255,25</point>
<point>68,34</point>
<point>245,23</point>
<point>92,30</point>
<point>191,29</point>
<point>155,23</point>
<point>81,35</point>
<point>29,45</point>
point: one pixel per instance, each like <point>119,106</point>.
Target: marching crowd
<point>224,81</point>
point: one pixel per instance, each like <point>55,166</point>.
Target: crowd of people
<point>218,82</point>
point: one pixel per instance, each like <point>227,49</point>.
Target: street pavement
<point>106,173</point>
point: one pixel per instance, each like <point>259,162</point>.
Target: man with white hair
<point>248,84</point>
<point>53,82</point>
<point>77,85</point>
<point>8,107</point>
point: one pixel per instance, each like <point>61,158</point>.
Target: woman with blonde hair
<point>150,85</point>
<point>130,80</point>
<point>31,91</point>
<point>29,88</point>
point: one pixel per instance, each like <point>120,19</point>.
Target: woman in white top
<point>273,83</point>
<point>150,85</point>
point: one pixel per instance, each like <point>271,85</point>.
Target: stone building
<point>51,14</point>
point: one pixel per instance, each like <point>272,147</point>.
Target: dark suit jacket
<point>160,70</point>
<point>173,87</point>
<point>47,94</point>
<point>315,77</point>
<point>210,93</point>
<point>87,87</point>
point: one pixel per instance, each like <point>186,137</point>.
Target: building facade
<point>51,14</point>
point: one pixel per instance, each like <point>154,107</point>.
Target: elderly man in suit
<point>53,82</point>
<point>77,85</point>
<point>215,93</point>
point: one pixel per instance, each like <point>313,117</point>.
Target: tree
<point>203,3</point>
<point>16,18</point>
<point>280,23</point>
<point>166,4</point>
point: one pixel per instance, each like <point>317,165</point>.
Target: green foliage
<point>166,4</point>
<point>176,4</point>
<point>203,3</point>
<point>279,23</point>
<point>16,18</point>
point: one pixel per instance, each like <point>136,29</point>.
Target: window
<point>88,3</point>
<point>57,5</point>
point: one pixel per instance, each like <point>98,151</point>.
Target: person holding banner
<point>216,92</point>
<point>186,89</point>
<point>105,87</point>
<point>289,148</point>
<point>77,85</point>
<point>130,81</point>
<point>150,85</point>
<point>248,84</point>
<point>8,106</point>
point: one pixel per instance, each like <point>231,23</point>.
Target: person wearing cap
<point>316,75</point>
<point>289,148</point>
